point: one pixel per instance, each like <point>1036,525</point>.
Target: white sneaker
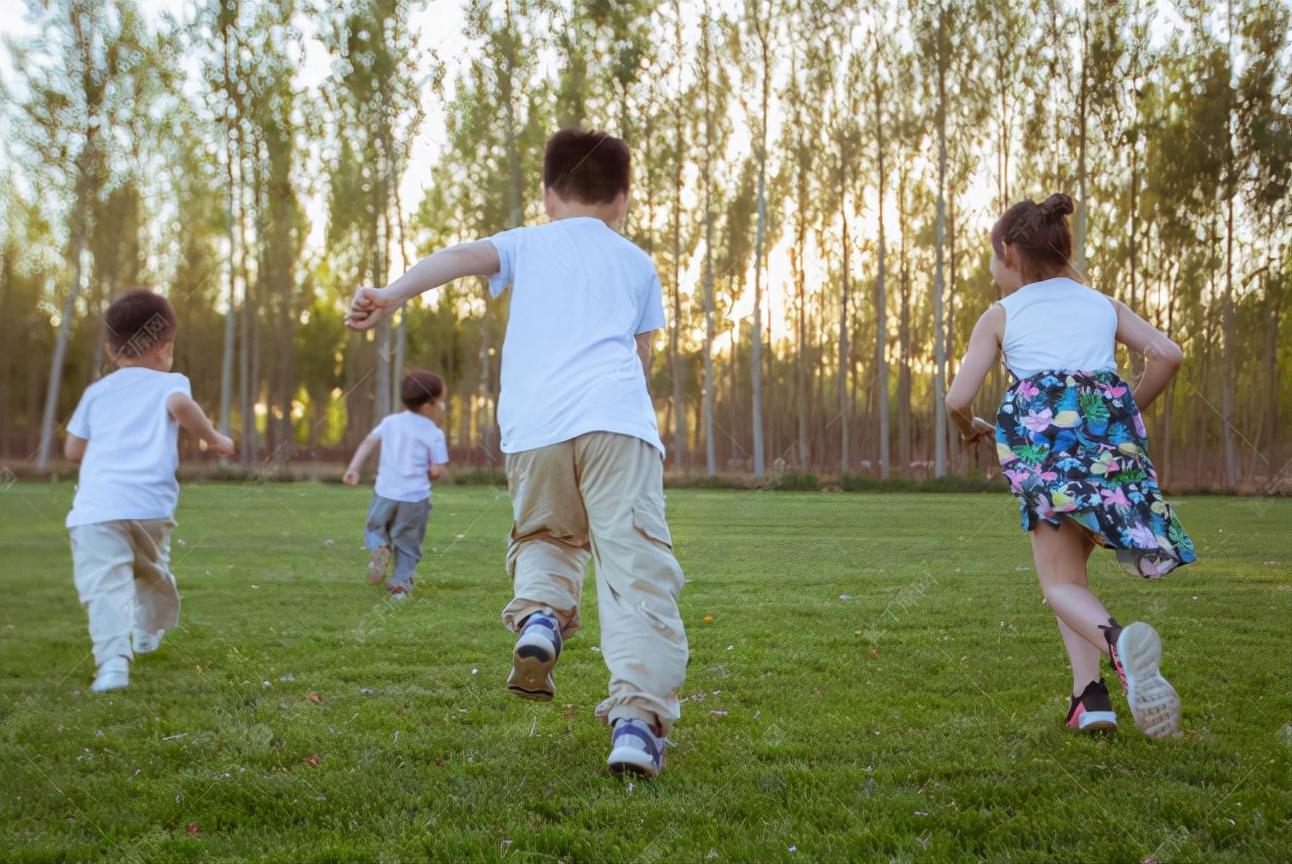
<point>143,642</point>
<point>114,674</point>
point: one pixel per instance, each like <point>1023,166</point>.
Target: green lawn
<point>880,681</point>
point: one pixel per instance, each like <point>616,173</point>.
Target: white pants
<point>601,496</point>
<point>122,573</point>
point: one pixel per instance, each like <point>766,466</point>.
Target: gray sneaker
<point>635,749</point>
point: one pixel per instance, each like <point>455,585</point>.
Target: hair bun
<point>1056,207</point>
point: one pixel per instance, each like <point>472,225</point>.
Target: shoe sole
<point>145,645</point>
<point>377,563</point>
<point>630,761</point>
<point>118,684</point>
<point>531,673</point>
<point>1096,721</point>
<point>1153,701</point>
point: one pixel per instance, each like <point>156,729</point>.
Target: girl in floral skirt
<point>1072,443</point>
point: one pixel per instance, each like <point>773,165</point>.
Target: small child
<point>413,453</point>
<point>124,435</point>
<point>1071,440</point>
<point>583,452</point>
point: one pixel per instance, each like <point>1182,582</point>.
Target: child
<point>124,434</point>
<point>413,453</point>
<point>583,454</point>
<point>1072,442</point>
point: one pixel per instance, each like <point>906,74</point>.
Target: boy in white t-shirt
<point>413,453</point>
<point>124,434</point>
<point>583,452</point>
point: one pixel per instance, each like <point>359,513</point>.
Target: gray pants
<point>401,525</point>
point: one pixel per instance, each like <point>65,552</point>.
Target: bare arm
<point>438,470</point>
<point>74,448</point>
<point>194,420</point>
<point>1162,357</point>
<point>361,454</point>
<point>983,350</point>
<point>371,305</point>
<point>644,341</point>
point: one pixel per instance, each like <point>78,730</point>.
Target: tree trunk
<point>939,349</point>
<point>903,334</point>
<point>231,314</point>
<point>709,454</point>
<point>881,300</point>
<point>675,332</point>
<point>845,287</point>
<point>756,348</point>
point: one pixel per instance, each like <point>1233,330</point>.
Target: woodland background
<point>815,181</point>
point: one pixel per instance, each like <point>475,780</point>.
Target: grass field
<point>879,681</point>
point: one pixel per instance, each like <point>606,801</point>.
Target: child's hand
<point>368,308</point>
<point>223,446</point>
<point>981,429</point>
<point>350,477</point>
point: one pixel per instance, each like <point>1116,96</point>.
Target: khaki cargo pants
<point>122,573</point>
<point>601,496</point>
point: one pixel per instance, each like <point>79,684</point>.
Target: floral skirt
<point>1073,445</point>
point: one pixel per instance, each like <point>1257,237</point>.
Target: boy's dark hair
<point>420,387</point>
<point>1039,232</point>
<point>587,167</point>
<point>137,322</point>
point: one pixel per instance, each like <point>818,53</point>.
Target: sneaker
<point>114,674</point>
<point>535,656</point>
<point>378,561</point>
<point>1092,711</point>
<point>635,749</point>
<point>398,595</point>
<point>143,642</point>
<point>1135,651</point>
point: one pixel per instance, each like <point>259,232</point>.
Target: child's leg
<point>548,551</point>
<point>407,530</point>
<point>643,641</point>
<point>156,595</point>
<point>103,567</point>
<point>1061,555</point>
<point>376,531</point>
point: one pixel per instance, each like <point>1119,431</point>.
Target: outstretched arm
<point>361,454</point>
<point>371,305</point>
<point>191,416</point>
<point>984,348</point>
<point>1162,357</point>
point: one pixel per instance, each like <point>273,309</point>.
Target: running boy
<point>1071,440</point>
<point>124,434</point>
<point>583,452</point>
<point>413,453</point>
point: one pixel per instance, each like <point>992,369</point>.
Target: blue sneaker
<point>635,749</point>
<point>534,657</point>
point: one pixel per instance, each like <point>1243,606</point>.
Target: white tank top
<point>1059,324</point>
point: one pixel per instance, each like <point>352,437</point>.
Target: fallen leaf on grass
<point>708,619</point>
<point>314,697</point>
<point>192,830</point>
<point>312,761</point>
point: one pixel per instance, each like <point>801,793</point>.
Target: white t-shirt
<point>129,467</point>
<point>410,444</point>
<point>1059,325</point>
<point>580,293</point>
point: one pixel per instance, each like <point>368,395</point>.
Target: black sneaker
<point>1092,711</point>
